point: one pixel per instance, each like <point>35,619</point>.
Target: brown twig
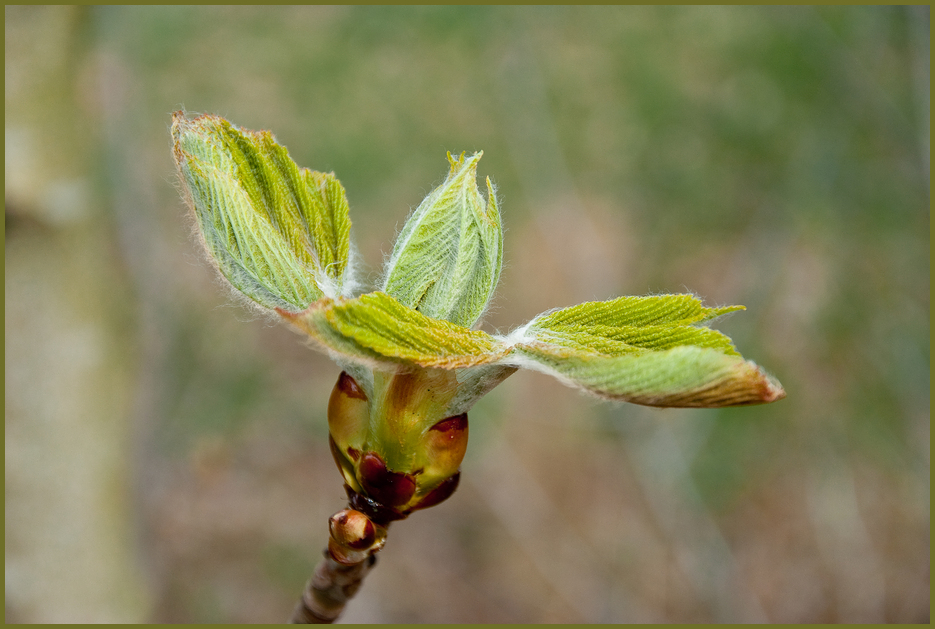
<point>355,538</point>
<point>329,589</point>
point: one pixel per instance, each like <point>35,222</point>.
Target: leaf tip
<point>770,389</point>
<point>761,387</point>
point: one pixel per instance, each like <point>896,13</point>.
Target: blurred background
<point>166,448</point>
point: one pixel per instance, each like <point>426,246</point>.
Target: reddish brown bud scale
<point>372,468</point>
<point>348,417</point>
<point>350,388</point>
<point>452,426</point>
<point>377,512</point>
<point>393,489</point>
<point>440,493</point>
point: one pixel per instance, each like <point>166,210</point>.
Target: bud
<point>354,536</point>
<point>396,450</point>
<point>447,258</point>
<point>352,529</point>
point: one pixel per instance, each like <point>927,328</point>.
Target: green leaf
<point>278,233</point>
<point>376,328</point>
<point>446,261</point>
<point>629,325</point>
<point>646,350</point>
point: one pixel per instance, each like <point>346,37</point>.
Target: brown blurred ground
<point>166,450</point>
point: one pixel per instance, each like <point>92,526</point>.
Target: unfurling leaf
<point>278,233</point>
<point>447,258</point>
<point>646,350</point>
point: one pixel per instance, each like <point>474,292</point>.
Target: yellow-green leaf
<point>377,328</point>
<point>629,325</point>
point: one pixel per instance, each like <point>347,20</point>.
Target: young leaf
<point>684,376</point>
<point>646,350</point>
<point>376,328</point>
<point>629,325</point>
<point>447,258</point>
<point>278,233</point>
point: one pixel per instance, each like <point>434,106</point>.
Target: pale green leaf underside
<point>686,376</point>
<point>646,350</point>
<point>279,234</point>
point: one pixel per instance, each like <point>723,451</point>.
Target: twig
<point>329,589</point>
<point>350,555</point>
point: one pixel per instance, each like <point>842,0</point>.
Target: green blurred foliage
<point>776,157</point>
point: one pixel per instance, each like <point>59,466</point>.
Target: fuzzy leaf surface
<point>446,261</point>
<point>629,325</point>
<point>647,350</point>
<point>378,329</point>
<point>278,233</point>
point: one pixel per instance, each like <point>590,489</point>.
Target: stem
<point>350,555</point>
<point>329,589</point>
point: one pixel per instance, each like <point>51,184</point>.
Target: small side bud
<point>352,529</point>
<point>354,536</point>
